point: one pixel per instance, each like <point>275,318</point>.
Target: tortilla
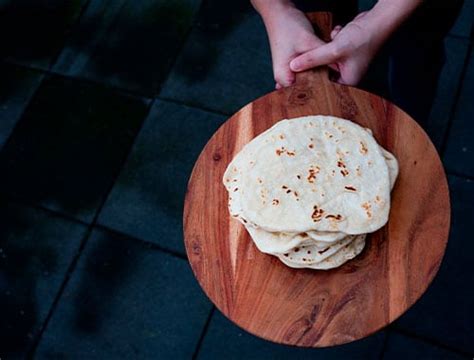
<point>326,236</point>
<point>275,242</point>
<point>315,173</point>
<point>392,165</point>
<point>345,254</point>
<point>308,253</point>
<point>278,242</point>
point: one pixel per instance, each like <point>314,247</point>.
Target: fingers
<point>323,55</point>
<point>350,82</point>
<point>283,75</point>
<point>308,43</point>
<point>335,31</point>
<point>351,73</point>
<point>284,79</point>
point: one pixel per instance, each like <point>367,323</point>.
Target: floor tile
<point>465,19</point>
<point>462,23</point>
<point>226,61</point>
<point>365,5</point>
<point>460,147</point>
<point>147,199</point>
<point>445,311</point>
<point>16,88</point>
<point>33,32</point>
<point>403,347</point>
<point>225,340</point>
<point>449,80</point>
<point>69,145</point>
<point>126,301</point>
<point>127,43</point>
<point>36,249</point>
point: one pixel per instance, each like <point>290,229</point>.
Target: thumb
<point>283,75</point>
<point>323,55</point>
<point>335,31</point>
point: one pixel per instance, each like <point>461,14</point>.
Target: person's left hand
<point>350,51</point>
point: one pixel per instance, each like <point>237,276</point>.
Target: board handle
<point>322,24</point>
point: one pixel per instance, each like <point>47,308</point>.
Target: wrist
<point>380,24</point>
<point>275,14</point>
<point>266,8</point>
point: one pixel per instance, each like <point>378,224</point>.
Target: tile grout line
<point>98,226</point>
<point>384,344</point>
<point>196,107</point>
<point>72,267</point>
<point>432,342</point>
<point>124,161</point>
<point>203,333</point>
<point>460,176</point>
<point>64,216</point>
<point>149,244</point>
<point>25,107</point>
<point>173,62</point>
<point>68,34</point>
<point>118,89</point>
<point>32,350</point>
<point>457,96</point>
<point>84,80</point>
<point>460,37</point>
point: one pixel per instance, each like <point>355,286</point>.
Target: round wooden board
<point>308,307</point>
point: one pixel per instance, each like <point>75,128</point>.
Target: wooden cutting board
<point>308,307</point>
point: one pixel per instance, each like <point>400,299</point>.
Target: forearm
<point>269,9</point>
<point>276,14</point>
<point>387,15</point>
<point>265,7</point>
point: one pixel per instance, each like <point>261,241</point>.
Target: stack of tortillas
<point>309,189</point>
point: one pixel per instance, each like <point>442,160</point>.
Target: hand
<point>290,34</point>
<point>350,51</point>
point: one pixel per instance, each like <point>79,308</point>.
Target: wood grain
<point>307,307</point>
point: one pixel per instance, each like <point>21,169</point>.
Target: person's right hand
<point>290,34</point>
<point>352,49</point>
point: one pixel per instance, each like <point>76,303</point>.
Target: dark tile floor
<point>224,340</point>
<point>18,85</point>
<point>147,199</point>
<point>33,32</point>
<point>404,347</point>
<point>69,145</point>
<point>460,150</point>
<point>37,249</point>
<point>104,107</point>
<point>213,69</point>
<point>127,43</point>
<point>126,300</point>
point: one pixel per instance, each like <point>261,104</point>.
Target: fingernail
<point>294,66</point>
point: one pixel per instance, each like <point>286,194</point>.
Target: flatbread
<point>326,236</point>
<point>308,253</point>
<point>329,236</point>
<point>275,242</point>
<point>315,173</point>
<point>392,165</point>
<point>345,254</point>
